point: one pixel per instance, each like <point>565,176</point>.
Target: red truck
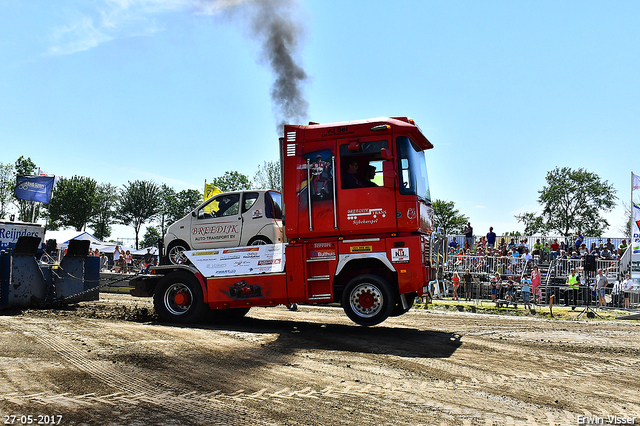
<point>358,225</point>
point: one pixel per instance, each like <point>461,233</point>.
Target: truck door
<point>217,223</point>
<point>366,192</point>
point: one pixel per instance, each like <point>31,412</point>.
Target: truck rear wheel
<point>178,298</point>
<point>368,300</point>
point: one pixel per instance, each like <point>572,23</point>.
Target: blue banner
<point>34,188</point>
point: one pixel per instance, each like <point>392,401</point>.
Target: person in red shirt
<point>456,283</point>
<point>555,247</point>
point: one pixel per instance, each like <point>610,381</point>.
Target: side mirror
<point>385,153</point>
<point>193,214</point>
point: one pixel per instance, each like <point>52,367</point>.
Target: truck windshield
<point>413,169</point>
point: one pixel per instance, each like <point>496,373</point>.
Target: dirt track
<point>314,367</point>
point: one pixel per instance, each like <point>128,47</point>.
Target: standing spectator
<point>454,243</point>
<point>572,292</point>
<point>104,261</point>
<point>116,256</point>
<point>456,283</point>
<point>627,285</point>
<point>495,286</point>
<point>535,283</point>
<point>526,289</point>
<point>128,259</point>
<point>579,241</point>
<point>600,284</point>
<point>491,238</point>
<point>467,278</point>
<point>468,234</point>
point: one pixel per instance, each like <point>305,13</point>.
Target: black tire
<point>368,300</point>
<point>399,310</point>
<point>178,298</point>
<point>175,253</point>
<point>259,241</point>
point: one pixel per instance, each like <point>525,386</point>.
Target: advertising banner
<point>10,232</point>
<point>249,260</point>
<point>635,223</point>
<point>34,188</point>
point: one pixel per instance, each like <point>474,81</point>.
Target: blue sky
<point>178,91</point>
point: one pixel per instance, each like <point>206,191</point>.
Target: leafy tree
<point>572,201</point>
<point>186,201</point>
<point>140,202</point>
<point>151,237</point>
<point>168,201</point>
<point>232,181</point>
<point>72,203</point>
<point>7,182</point>
<point>27,210</point>
<point>268,176</point>
<point>105,203</point>
<point>447,217</point>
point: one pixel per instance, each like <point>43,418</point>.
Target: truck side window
<point>362,168</point>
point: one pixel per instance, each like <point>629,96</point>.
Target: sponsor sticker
<point>205,253</point>
<point>241,250</point>
<point>323,253</point>
<point>361,249</point>
<point>400,255</point>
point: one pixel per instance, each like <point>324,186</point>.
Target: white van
<point>230,219</point>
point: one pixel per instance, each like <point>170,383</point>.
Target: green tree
<point>150,238</point>
<point>72,203</point>
<point>168,201</point>
<point>140,202</point>
<point>268,176</point>
<point>572,201</point>
<point>27,210</point>
<point>447,217</point>
<point>186,201</point>
<point>232,181</point>
<point>7,182</point>
<point>105,204</point>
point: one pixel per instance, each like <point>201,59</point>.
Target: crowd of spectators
<point>512,263</point>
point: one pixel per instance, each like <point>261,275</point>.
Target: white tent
<point>142,252</point>
<point>63,237</point>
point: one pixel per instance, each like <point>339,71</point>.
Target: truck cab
<point>229,219</point>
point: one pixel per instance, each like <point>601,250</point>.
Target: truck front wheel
<point>178,298</point>
<point>368,300</point>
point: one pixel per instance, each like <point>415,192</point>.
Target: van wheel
<point>259,241</point>
<point>175,253</point>
<point>178,298</point>
<point>368,300</point>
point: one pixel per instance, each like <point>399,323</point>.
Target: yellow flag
<point>209,191</point>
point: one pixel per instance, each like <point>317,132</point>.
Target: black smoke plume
<point>273,25</point>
